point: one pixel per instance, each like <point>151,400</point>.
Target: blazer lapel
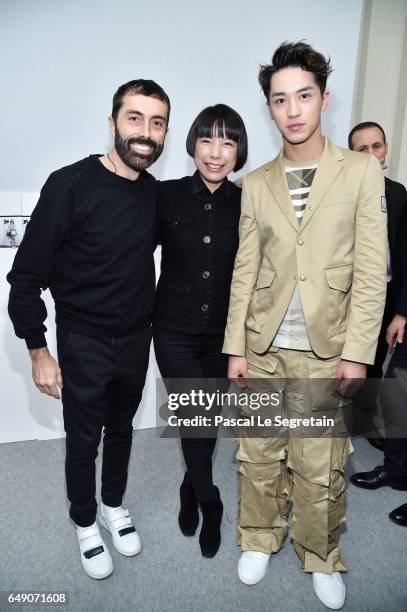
<point>274,175</point>
<point>329,166</point>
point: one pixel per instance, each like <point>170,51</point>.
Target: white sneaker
<point>330,589</point>
<point>95,557</point>
<point>125,537</point>
<point>252,566</point>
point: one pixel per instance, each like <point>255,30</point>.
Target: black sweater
<point>91,240</point>
<point>199,237</point>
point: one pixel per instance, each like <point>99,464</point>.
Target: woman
<point>199,218</point>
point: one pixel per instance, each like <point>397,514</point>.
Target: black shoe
<point>377,478</point>
<point>399,515</point>
<point>188,517</point>
<point>209,538</point>
<point>377,443</point>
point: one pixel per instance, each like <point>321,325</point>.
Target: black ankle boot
<point>209,538</point>
<point>188,517</point>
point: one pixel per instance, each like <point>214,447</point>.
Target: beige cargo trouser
<point>294,467</point>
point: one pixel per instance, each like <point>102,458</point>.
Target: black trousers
<point>103,380</point>
<point>183,356</point>
<point>394,399</point>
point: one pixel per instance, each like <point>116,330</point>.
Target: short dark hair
<point>221,121</point>
<point>298,54</point>
<point>363,126</point>
<point>144,87</point>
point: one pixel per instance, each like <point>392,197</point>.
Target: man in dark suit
<point>369,137</point>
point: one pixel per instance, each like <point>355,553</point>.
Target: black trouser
<point>183,356</point>
<point>103,380</point>
<point>394,399</point>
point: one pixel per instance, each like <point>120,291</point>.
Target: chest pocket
<point>177,233</point>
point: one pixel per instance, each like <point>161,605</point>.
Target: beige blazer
<point>337,255</point>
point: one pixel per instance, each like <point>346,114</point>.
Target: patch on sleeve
<point>384,204</point>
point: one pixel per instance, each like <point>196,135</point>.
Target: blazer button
<point>174,223</point>
<point>206,239</point>
<point>204,307</point>
<point>300,241</point>
<point>208,206</point>
<point>303,277</point>
<point>206,274</point>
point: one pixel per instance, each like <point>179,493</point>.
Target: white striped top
<point>292,333</point>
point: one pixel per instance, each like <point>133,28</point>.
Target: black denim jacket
<point>199,237</point>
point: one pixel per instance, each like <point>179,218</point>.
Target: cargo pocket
<point>309,520</point>
<point>323,396</point>
<point>336,502</point>
<point>261,450</point>
<point>341,449</point>
<point>257,494</point>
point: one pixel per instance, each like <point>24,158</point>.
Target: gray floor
<point>39,548</point>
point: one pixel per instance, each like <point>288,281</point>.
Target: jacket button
<point>206,274</point>
<point>174,223</point>
<point>300,241</point>
<point>259,478</point>
<point>204,307</point>
<point>303,277</point>
<point>208,206</point>
<point>206,239</point>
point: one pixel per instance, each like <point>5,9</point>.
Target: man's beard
<point>136,161</point>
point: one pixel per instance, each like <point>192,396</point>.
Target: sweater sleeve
<point>46,232</point>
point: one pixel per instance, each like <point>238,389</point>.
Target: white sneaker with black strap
<point>126,540</point>
<point>95,556</point>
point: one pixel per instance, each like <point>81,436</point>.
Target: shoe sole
<point>125,554</point>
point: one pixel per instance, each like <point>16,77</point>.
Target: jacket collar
<point>197,186</point>
<point>329,166</point>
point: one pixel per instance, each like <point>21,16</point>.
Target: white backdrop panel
<point>62,62</point>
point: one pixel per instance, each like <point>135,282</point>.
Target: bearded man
<point>91,240</point>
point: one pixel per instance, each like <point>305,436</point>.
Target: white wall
<point>381,81</point>
<point>64,60</point>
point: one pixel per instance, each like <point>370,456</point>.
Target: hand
<point>349,376</point>
<point>237,371</point>
<point>395,331</point>
<point>46,372</point>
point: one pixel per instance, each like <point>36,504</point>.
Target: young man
<point>306,302</point>
<point>369,137</point>
<point>91,240</point>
